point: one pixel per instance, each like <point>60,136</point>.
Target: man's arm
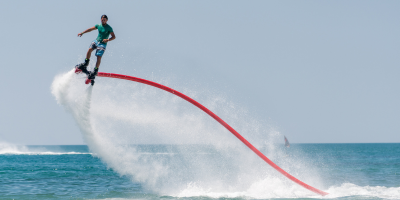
<point>111,38</point>
<point>86,31</point>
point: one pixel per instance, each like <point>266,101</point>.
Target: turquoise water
<point>348,171</point>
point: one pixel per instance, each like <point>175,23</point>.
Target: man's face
<point>104,20</point>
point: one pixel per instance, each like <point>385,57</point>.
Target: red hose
<point>157,85</point>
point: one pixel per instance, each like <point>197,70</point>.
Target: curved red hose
<point>157,85</point>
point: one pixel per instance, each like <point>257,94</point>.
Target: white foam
<point>275,188</point>
<point>40,153</point>
<point>264,189</point>
<point>6,148</point>
<point>12,149</point>
<point>349,189</point>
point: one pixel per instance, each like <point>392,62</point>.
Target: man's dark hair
<point>104,16</point>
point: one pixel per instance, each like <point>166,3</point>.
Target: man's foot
<point>82,67</point>
<point>92,75</point>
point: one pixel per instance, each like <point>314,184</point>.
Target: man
<point>99,44</point>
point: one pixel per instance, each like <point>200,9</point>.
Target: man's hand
<point>111,38</point>
<point>86,31</point>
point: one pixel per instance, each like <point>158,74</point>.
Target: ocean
<point>346,171</point>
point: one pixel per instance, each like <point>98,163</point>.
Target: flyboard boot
<point>82,67</point>
<point>92,76</point>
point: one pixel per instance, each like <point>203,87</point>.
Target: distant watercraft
<point>286,142</point>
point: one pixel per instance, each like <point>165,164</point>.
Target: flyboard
<point>87,81</point>
<point>223,123</point>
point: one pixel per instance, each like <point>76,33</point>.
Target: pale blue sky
<point>318,71</point>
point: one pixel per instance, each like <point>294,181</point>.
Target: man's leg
<point>89,53</point>
<point>83,66</point>
<point>97,63</point>
<point>96,69</point>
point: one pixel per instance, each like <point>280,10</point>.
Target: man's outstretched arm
<point>86,31</point>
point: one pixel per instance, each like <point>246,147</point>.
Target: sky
<point>318,71</point>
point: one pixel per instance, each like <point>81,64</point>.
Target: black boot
<point>83,66</point>
<point>93,74</point>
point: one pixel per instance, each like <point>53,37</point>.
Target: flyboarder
<point>100,44</point>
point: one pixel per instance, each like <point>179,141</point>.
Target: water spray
<point>223,123</point>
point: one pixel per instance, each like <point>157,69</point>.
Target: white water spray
<point>201,158</point>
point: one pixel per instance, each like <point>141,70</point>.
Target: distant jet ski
<point>286,142</point>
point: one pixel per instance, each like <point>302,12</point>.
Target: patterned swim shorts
<point>100,47</point>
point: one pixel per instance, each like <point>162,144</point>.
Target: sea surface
<point>347,171</point>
